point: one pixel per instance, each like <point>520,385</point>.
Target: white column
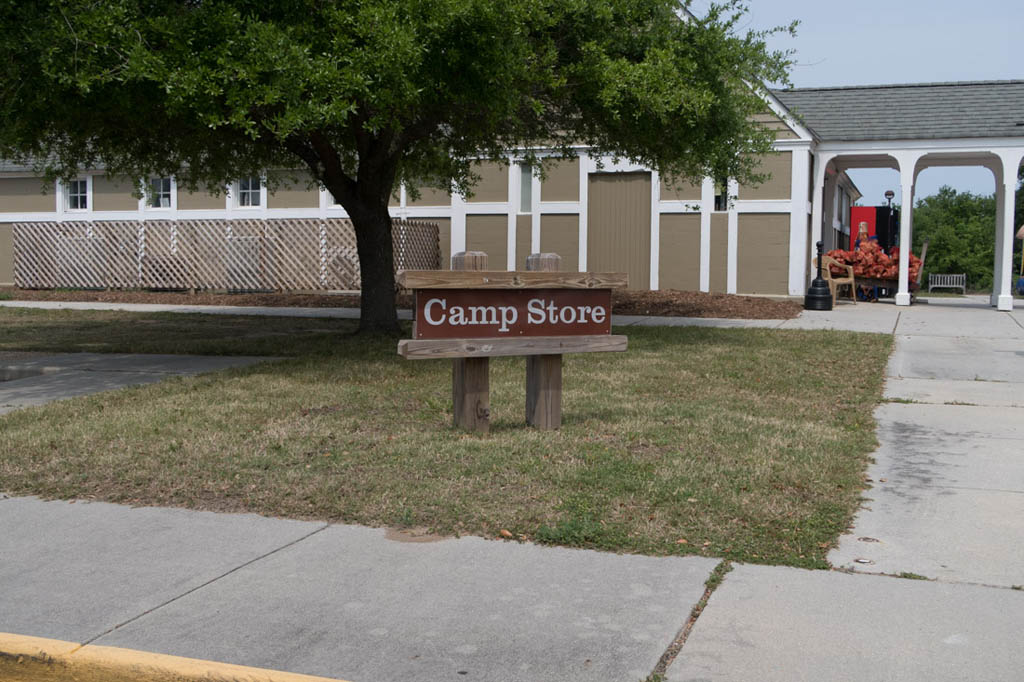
<point>732,245</point>
<point>799,198</point>
<point>1011,164</point>
<point>584,215</point>
<point>655,228</point>
<point>818,198</point>
<point>829,196</point>
<point>707,204</point>
<point>907,166</point>
<point>997,265</point>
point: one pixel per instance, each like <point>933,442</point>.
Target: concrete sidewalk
<point>360,604</point>
<point>30,379</point>
<point>946,503</point>
<point>338,601</point>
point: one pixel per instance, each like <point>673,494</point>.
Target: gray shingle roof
<point>921,111</point>
<point>7,166</point>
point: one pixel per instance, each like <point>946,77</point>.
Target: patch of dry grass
<point>743,444</point>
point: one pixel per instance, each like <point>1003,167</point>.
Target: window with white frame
<point>525,188</point>
<point>77,193</point>
<point>158,193</point>
<point>249,191</point>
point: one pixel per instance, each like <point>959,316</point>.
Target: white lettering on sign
<point>538,311</point>
<point>474,314</point>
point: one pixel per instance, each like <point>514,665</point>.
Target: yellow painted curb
<point>33,659</point>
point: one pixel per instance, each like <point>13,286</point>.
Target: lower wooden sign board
<point>436,349</point>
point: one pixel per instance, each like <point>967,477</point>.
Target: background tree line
<point>960,229</point>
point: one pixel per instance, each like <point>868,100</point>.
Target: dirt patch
<point>661,303</point>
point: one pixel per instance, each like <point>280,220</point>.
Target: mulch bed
<point>661,303</point>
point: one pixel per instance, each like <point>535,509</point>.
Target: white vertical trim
<point>732,246</point>
<point>403,208</point>
<point>655,228</point>
<point>325,201</point>
<point>458,241</point>
<point>514,174</point>
<point>584,205</point>
<point>534,213</point>
<point>59,195</point>
<point>229,200</point>
<point>141,253</point>
<point>707,204</point>
<point>800,179</point>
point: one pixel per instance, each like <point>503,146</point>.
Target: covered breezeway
<point>909,128</point>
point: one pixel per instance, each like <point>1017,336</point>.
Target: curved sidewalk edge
<point>34,659</point>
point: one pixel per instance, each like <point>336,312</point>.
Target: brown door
<point>619,225</point>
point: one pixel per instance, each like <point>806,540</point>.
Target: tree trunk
<point>376,264</point>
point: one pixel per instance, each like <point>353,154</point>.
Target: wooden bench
<point>937,281</point>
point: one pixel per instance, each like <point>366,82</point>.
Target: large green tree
<point>961,230</point>
<point>368,93</point>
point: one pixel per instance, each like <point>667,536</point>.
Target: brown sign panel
<point>511,313</point>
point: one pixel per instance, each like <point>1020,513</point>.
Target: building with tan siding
<point>596,213</point>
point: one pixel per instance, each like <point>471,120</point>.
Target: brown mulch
<point>660,303</point>
<point>670,302</point>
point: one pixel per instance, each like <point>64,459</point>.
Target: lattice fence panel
<point>417,245</point>
<point>233,255</point>
<point>35,265</point>
<point>165,264</point>
<point>295,250</point>
<point>341,257</point>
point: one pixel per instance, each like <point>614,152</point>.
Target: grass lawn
<point>744,444</point>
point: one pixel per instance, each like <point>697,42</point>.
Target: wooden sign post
<point>471,314</point>
<point>471,377</point>
<point>544,372</point>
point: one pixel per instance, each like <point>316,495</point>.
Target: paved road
<point>362,604</point>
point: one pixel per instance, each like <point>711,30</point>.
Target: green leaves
<point>960,227</point>
<point>367,93</point>
<point>226,87</point>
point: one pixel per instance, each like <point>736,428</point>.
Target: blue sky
<point>899,41</point>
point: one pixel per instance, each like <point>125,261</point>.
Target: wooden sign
<point>471,314</point>
<point>497,313</point>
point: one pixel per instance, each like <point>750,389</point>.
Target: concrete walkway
<point>947,503</point>
<point>29,379</point>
